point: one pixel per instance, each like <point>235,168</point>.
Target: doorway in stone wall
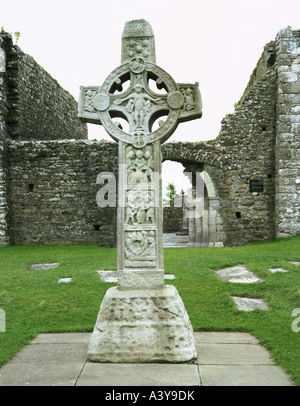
<point>174,185</point>
<point>206,230</point>
<point>183,226</point>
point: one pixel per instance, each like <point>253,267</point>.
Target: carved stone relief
<point>139,105</point>
<point>140,244</point>
<point>139,209</point>
<point>139,164</point>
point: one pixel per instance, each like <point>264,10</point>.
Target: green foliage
<point>16,35</point>
<point>236,105</point>
<point>35,303</point>
<point>171,194</point>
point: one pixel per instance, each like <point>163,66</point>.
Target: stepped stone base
<point>142,326</point>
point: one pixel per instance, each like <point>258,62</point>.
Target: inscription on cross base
<point>152,116</point>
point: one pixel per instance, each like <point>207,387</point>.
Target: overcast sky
<point>216,43</point>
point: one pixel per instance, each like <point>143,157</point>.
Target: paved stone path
<point>224,359</point>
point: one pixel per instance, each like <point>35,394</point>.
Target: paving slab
<point>224,358</point>
<point>224,337</point>
<point>40,374</point>
<point>51,353</point>
<point>229,375</point>
<point>62,338</point>
<point>95,374</point>
<point>232,354</point>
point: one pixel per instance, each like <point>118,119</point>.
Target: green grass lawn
<point>35,303</point>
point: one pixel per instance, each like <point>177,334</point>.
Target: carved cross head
<point>151,112</point>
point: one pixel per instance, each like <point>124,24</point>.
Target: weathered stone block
<point>142,326</point>
<point>287,77</point>
<point>296,128</point>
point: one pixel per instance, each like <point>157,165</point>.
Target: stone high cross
<point>140,258</point>
<point>140,217</point>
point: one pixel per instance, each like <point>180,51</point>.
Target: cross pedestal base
<point>136,326</point>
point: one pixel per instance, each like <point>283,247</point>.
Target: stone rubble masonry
<point>53,184</point>
<point>4,240</point>
<point>32,106</point>
<point>38,107</point>
<point>247,140</point>
<point>48,169</point>
<point>287,151</point>
<point>173,218</point>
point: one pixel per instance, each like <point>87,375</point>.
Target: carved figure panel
<point>192,99</point>
<point>139,105</point>
<point>140,245</point>
<point>139,210</point>
<point>139,164</point>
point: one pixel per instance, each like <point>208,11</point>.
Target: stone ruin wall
<point>287,150</point>
<point>172,219</point>
<point>247,141</point>
<point>37,107</point>
<point>253,164</point>
<point>4,175</point>
<point>32,107</point>
<point>53,184</point>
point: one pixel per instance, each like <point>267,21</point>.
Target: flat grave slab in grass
<point>248,304</point>
<point>39,267</point>
<point>238,274</point>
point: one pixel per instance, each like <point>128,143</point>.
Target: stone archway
<point>205,230</point>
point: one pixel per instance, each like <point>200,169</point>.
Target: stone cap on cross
<point>139,105</point>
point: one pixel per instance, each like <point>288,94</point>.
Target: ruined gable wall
<point>37,106</point>
<point>243,152</point>
<point>247,139</point>
<point>32,106</point>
